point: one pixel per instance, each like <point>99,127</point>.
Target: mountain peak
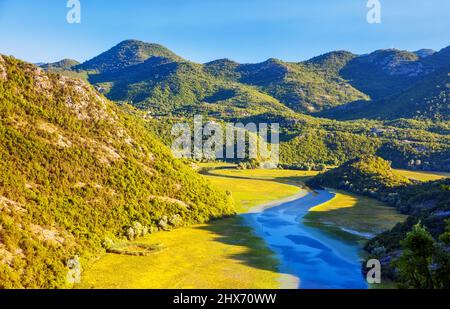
<point>335,60</point>
<point>424,52</point>
<point>65,64</point>
<point>125,54</point>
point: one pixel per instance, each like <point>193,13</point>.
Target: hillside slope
<point>126,54</point>
<point>78,172</point>
<point>304,87</point>
<point>400,84</point>
<point>426,203</point>
<point>162,85</point>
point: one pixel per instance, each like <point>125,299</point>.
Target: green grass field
<point>223,254</point>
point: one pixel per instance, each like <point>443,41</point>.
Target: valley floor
<point>228,254</point>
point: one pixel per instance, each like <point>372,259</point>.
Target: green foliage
<point>368,175</point>
<point>423,264</point>
<point>125,54</point>
<point>426,202</point>
<point>65,64</point>
<point>305,87</point>
<point>338,84</point>
<point>78,170</point>
<point>400,84</point>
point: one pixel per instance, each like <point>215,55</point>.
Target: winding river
<point>316,259</point>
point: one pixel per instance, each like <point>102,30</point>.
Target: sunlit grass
<point>225,253</point>
<point>356,213</point>
<point>267,174</point>
<point>222,254</point>
<point>248,193</point>
<point>423,176</point>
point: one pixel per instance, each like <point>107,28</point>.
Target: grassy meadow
<point>223,254</point>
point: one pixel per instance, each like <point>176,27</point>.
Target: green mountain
<point>65,64</point>
<point>80,173</point>
<point>305,87</point>
<point>162,83</point>
<point>126,54</point>
<point>153,78</point>
<point>338,85</point>
<point>400,84</point>
<point>384,72</point>
<point>368,175</point>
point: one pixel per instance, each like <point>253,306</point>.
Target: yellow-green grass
<point>248,193</point>
<point>356,213</point>
<point>211,165</point>
<point>422,175</point>
<point>266,174</point>
<point>225,253</point>
<point>292,177</point>
<point>222,254</point>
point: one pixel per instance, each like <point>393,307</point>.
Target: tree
<point>414,266</point>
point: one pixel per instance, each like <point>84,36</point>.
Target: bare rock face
<point>3,74</point>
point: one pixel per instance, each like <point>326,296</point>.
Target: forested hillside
<point>80,173</point>
<point>385,86</point>
<point>428,207</point>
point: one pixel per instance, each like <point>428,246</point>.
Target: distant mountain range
<point>385,84</point>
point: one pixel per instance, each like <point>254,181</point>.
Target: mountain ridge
<point>327,85</point>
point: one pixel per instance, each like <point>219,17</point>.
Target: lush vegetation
<point>424,263</point>
<point>79,174</point>
<point>425,202</point>
<point>221,254</point>
<point>167,88</point>
<point>387,84</point>
<point>401,85</point>
<point>354,214</point>
<point>368,175</point>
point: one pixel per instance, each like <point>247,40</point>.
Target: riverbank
<point>221,254</point>
<point>226,253</point>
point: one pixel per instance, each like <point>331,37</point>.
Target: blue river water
<point>317,259</point>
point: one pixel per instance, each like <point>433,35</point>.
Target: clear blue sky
<point>203,30</point>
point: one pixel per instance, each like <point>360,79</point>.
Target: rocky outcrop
<point>3,74</point>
